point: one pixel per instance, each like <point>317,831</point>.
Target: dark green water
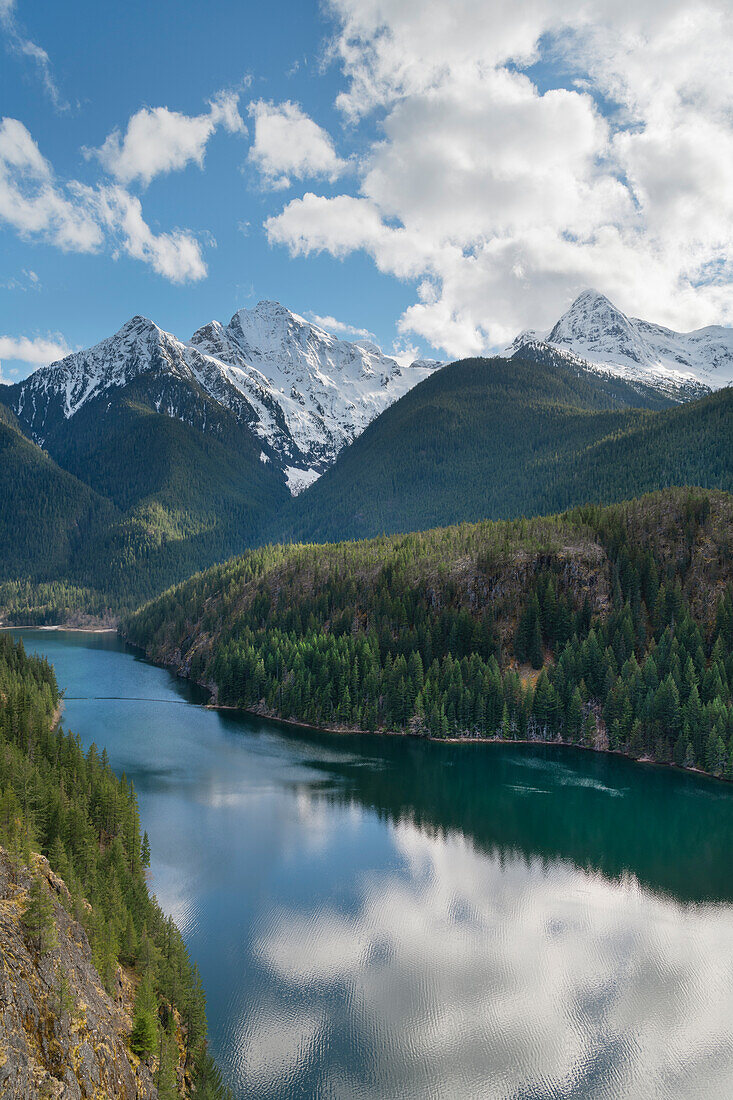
<point>379,917</point>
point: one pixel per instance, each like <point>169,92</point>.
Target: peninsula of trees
<point>610,627</point>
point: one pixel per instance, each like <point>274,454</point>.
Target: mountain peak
<point>270,306</point>
<point>595,332</point>
<point>268,310</point>
<point>137,326</point>
<point>591,317</point>
<point>314,391</point>
<point>303,392</point>
<point>590,298</point>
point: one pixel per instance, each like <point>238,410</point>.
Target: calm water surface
<point>378,917</point>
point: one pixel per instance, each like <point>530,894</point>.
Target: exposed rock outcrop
<point>62,1037</point>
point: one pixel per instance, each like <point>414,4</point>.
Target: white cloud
<point>32,201</point>
<point>339,327</point>
<point>78,218</point>
<point>503,201</point>
<point>158,140</point>
<point>175,255</point>
<point>37,350</point>
<point>288,144</point>
<point>18,44</point>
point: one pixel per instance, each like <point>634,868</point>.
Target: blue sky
<point>440,177</point>
<point>108,62</point>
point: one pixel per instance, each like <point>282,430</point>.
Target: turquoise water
<point>380,917</point>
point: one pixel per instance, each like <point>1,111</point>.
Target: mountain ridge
<point>497,438</point>
<point>303,393</point>
<point>595,333</point>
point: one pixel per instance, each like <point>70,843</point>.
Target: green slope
<point>46,514</point>
<point>133,502</point>
<point>496,438</point>
<point>84,819</point>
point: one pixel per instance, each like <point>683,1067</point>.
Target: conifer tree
<point>38,919</point>
<point>144,1035</point>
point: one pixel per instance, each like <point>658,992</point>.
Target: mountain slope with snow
<point>303,393</point>
<point>313,392</point>
<point>593,332</point>
<point>138,351</point>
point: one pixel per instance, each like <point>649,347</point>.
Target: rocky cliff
<point>62,1037</point>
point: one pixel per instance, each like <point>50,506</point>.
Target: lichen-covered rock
<point>61,1036</point>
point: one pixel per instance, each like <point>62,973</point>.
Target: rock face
<point>61,1036</point>
<point>313,393</point>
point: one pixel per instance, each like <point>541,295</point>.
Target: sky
<point>434,176</point>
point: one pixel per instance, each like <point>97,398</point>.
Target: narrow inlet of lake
<point>379,917</point>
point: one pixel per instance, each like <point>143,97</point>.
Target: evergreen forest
<point>69,805</point>
<point>609,627</point>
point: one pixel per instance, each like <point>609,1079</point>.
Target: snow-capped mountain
<point>301,391</point>
<point>313,392</point>
<point>594,332</point>
<point>140,350</point>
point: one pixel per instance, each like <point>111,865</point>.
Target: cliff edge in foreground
<point>61,1035</point>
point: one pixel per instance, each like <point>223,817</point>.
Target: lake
<point>384,917</point>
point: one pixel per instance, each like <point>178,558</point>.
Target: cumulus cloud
<point>36,350</point>
<point>158,140</point>
<point>31,200</point>
<point>175,255</point>
<point>340,327</point>
<point>503,199</point>
<point>22,46</point>
<point>287,144</point>
<point>78,218</point>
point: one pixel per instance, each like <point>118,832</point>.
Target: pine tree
<point>165,1078</point>
<point>535,654</point>
<point>144,1035</point>
<point>38,919</point>
<point>574,721</point>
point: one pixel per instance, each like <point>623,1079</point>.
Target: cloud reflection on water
<point>476,977</point>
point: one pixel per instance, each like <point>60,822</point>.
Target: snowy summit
<point>595,332</point>
<point>303,392</point>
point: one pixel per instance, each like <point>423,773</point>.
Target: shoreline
<point>347,730</point>
<point>254,712</point>
<point>296,723</point>
<point>69,629</point>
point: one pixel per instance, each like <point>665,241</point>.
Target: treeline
<point>608,627</point>
<point>69,805</point>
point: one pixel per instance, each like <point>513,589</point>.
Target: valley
<point>520,557</point>
<point>366,551</point>
<point>142,460</point>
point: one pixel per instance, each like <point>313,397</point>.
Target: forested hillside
<point>609,627</point>
<point>496,438</point>
<point>126,501</point>
<point>69,806</point>
<point>130,502</point>
<point>46,514</point>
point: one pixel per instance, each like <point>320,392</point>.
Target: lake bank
<point>273,716</point>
